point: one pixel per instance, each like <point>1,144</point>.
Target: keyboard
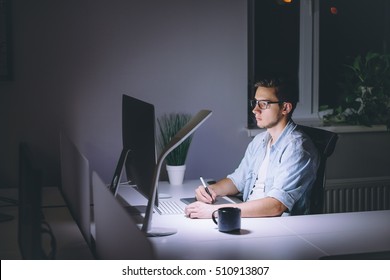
<point>169,207</point>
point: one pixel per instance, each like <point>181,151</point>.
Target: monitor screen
<point>138,156</point>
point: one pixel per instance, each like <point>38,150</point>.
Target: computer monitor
<point>139,153</point>
<point>117,234</point>
<point>31,223</point>
<point>138,156</point>
<point>75,185</point>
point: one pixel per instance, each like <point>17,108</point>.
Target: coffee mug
<point>229,219</point>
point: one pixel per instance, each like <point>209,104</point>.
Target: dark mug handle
<point>214,218</point>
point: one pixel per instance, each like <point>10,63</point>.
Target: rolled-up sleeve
<point>297,167</point>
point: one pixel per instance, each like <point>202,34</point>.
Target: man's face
<point>271,116</point>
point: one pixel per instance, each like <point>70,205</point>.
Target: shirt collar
<point>287,130</point>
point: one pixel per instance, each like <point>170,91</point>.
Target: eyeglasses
<point>263,104</point>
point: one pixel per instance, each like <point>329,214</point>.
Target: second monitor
<point>138,157</point>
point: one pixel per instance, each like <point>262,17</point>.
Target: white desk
<point>296,237</point>
<point>344,233</point>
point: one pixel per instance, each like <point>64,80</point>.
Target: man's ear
<point>287,107</point>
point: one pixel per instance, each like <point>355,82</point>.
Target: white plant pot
<point>176,174</point>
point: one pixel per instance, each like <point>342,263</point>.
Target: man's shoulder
<point>298,138</point>
<point>303,140</point>
<point>292,132</point>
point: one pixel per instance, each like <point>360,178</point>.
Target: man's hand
<point>203,196</point>
<point>200,210</point>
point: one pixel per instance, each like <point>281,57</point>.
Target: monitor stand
<point>159,231</point>
<point>164,195</point>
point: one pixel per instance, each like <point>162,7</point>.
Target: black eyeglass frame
<point>255,102</point>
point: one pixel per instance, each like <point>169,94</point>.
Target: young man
<point>279,166</point>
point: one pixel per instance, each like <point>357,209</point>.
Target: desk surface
<point>295,237</point>
<point>291,237</point>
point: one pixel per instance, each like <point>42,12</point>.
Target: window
<point>273,41</point>
<point>348,28</point>
<point>313,39</point>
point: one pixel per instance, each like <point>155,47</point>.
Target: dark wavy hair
<point>286,89</point>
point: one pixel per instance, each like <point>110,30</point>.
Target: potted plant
<point>366,92</point>
<point>169,125</point>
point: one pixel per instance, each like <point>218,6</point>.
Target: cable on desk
<point>5,217</point>
<point>46,229</point>
<point>12,202</point>
<point>54,206</point>
<point>9,200</point>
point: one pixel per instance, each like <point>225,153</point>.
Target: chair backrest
<point>325,142</point>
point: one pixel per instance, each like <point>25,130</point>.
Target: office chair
<point>325,142</point>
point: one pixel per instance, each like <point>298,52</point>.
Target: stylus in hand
<point>206,188</point>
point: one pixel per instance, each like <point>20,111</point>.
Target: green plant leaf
<point>169,125</point>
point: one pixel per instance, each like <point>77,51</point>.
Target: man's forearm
<point>265,207</point>
<point>224,187</point>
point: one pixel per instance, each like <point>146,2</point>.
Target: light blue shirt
<point>291,172</point>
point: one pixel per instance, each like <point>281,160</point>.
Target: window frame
<point>308,72</point>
